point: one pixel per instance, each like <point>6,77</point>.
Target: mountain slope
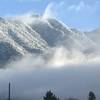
<point>94,35</point>
<point>56,33</point>
<point>7,53</point>
<point>39,36</point>
<point>20,36</point>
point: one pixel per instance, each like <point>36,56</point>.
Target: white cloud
<point>26,18</point>
<point>79,7</point>
<point>48,11</point>
<point>52,9</point>
<point>83,7</point>
<point>60,9</point>
<point>30,82</point>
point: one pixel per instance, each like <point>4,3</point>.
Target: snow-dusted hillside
<point>94,35</point>
<point>39,36</point>
<point>56,33</point>
<point>16,39</point>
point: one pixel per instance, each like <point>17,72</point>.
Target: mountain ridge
<point>40,36</point>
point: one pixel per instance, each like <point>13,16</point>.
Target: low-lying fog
<point>67,75</point>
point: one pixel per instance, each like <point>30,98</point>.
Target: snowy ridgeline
<point>41,36</point>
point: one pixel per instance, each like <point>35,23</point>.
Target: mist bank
<point>33,76</point>
<point>73,81</point>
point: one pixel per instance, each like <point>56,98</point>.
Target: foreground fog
<point>66,76</point>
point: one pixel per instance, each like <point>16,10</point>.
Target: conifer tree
<point>92,96</point>
<point>50,96</point>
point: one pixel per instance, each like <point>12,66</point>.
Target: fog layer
<point>67,74</point>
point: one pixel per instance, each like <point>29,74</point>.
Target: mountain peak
<point>33,34</point>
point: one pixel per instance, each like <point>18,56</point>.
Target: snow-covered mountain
<point>56,33</point>
<point>18,38</point>
<point>94,35</point>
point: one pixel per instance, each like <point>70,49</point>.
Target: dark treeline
<point>51,96</point>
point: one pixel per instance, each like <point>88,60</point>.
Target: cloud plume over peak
<point>48,11</point>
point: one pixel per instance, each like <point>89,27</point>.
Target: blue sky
<point>82,14</point>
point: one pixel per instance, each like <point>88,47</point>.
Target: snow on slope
<point>40,35</point>
<point>94,35</point>
<point>18,38</point>
<point>56,33</point>
<point>21,36</point>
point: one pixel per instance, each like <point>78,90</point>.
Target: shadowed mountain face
<point>94,35</point>
<point>7,53</point>
<point>39,37</point>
